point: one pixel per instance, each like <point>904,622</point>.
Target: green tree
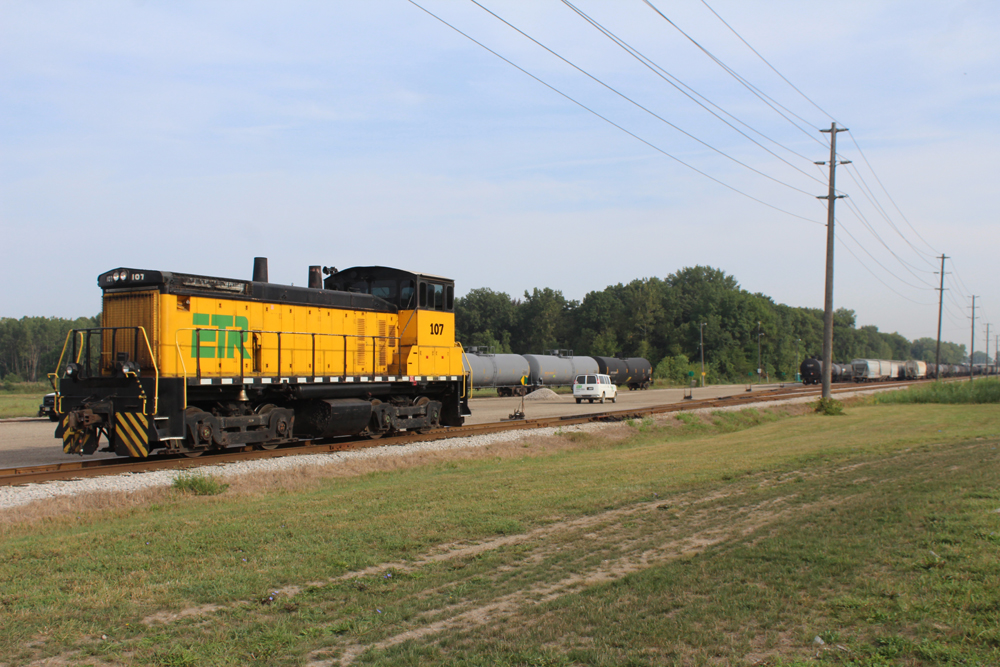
<point>484,317</point>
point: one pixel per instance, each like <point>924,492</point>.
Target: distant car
<point>594,387</point>
<point>48,407</point>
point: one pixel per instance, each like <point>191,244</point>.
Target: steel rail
<point>99,467</point>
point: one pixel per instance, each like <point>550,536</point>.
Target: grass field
<point>733,539</point>
<point>19,405</point>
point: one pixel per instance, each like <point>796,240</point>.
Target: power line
<point>959,277</point>
<point>773,69</point>
<point>608,120</point>
<point>633,102</point>
<point>871,230</point>
<point>684,89</point>
<point>865,189</point>
<point>871,198</point>
<point>861,245</point>
<point>874,275</point>
<point>749,86</point>
<point>879,181</point>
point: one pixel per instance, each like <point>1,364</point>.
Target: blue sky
<point>195,136</point>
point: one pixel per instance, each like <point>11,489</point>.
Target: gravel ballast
<point>14,496</point>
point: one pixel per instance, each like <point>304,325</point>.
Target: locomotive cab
<point>426,306</point>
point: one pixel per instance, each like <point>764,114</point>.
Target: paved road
<point>32,442</point>
<point>486,410</point>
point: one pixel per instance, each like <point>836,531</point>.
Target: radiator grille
<point>381,343</point>
<point>132,309</point>
<point>361,351</point>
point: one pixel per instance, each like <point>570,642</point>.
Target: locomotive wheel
<point>263,410</point>
<point>374,435</point>
<point>433,415</point>
<point>192,411</point>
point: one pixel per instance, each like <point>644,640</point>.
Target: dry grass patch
<point>307,478</point>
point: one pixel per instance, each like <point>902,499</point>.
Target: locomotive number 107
<point>437,329</point>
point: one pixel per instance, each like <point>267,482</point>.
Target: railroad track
<point>97,467</point>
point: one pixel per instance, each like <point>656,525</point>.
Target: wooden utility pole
<point>972,343</point>
<point>937,357</point>
<point>987,344</point>
<point>831,198</point>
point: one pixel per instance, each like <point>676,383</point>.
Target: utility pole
<point>701,344</point>
<point>987,343</point>
<point>972,343</point>
<point>937,357</point>
<point>759,369</point>
<point>831,198</point>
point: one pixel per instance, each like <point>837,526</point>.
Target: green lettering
<point>223,322</point>
<point>206,336</point>
<point>224,345</point>
<point>234,339</point>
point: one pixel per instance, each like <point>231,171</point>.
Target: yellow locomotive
<point>185,363</point>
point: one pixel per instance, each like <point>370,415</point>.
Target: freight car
<point>811,371</point>
<point>516,375</point>
<point>187,363</point>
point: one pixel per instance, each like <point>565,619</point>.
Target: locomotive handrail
<point>466,359</point>
<point>312,335</point>
<point>86,344</point>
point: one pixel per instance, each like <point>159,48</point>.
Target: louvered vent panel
<point>381,343</point>
<point>133,309</point>
<point>361,350</point>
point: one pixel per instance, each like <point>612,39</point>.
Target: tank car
<point>558,367</point>
<point>187,363</point>
<point>613,367</point>
<point>811,370</point>
<point>639,373</point>
<point>507,373</point>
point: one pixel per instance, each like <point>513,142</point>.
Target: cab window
<point>406,293</point>
<point>384,289</point>
<point>438,297</point>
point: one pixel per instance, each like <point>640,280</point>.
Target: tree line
<point>661,320</point>
<point>658,319</point>
<point>30,347</point>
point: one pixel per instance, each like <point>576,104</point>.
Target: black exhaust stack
<point>260,269</point>
<point>315,277</point>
